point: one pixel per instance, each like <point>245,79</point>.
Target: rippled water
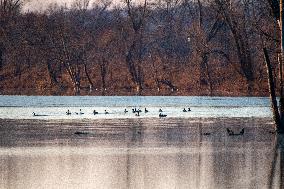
<point>146,152</point>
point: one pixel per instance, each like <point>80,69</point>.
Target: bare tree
<point>203,38</point>
<point>66,49</point>
<point>165,44</point>
<point>278,114</point>
<point>134,55</point>
<point>241,40</point>
<point>9,9</point>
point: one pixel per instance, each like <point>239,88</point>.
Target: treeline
<point>152,48</point>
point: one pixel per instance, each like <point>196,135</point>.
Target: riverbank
<point>185,82</point>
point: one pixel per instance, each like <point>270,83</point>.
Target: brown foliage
<point>171,48</point>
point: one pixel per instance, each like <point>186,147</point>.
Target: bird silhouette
<point>162,115</point>
<point>68,112</point>
<point>138,113</point>
<point>231,133</point>
<point>95,112</point>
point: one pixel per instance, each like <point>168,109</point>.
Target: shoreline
<point>122,94</point>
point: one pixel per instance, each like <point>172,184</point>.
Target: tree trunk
<point>205,77</point>
<point>200,14</point>
<point>135,70</point>
<point>91,85</point>
<point>134,56</point>
<point>244,58</point>
<point>156,78</point>
<point>250,86</point>
<point>140,76</point>
<point>103,74</point>
<point>51,73</point>
<point>77,87</point>
<point>205,66</point>
<point>281,162</point>
<point>241,42</point>
<point>77,81</point>
<point>271,85</point>
<point>1,58</point>
<point>281,100</point>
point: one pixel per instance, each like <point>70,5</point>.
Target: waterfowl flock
<point>136,111</point>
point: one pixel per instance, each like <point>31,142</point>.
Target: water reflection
<point>277,165</point>
<point>142,154</point>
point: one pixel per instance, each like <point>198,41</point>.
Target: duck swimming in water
<point>81,112</point>
<point>146,111</point>
<point>206,134</point>
<point>68,112</point>
<point>95,112</point>
<point>242,131</point>
<point>34,114</point>
<point>231,133</point>
<point>162,115</point>
<point>184,110</point>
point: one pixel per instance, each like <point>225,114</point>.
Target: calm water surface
<point>55,107</point>
<point>146,152</point>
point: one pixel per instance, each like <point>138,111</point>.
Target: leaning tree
<point>278,111</point>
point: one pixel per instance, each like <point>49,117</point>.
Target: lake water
<point>54,107</point>
<point>184,150</point>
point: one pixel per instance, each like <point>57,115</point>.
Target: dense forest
<point>165,47</point>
